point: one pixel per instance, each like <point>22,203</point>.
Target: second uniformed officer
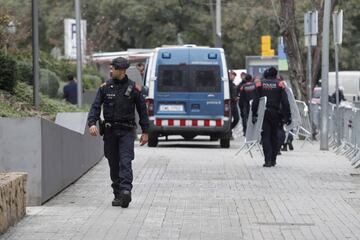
<point>247,93</point>
<point>276,97</point>
<point>119,98</point>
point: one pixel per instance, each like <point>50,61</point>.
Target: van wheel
<point>225,143</point>
<point>153,140</point>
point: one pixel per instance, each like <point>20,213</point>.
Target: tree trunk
<point>289,32</point>
<point>316,57</point>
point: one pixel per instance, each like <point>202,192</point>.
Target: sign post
<point>338,28</point>
<point>311,31</point>
<point>35,45</point>
<point>324,140</point>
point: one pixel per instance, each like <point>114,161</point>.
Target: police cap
<point>120,63</point>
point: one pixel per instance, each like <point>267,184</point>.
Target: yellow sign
<point>266,50</point>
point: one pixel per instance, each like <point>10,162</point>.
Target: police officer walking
<point>276,97</point>
<point>119,98</point>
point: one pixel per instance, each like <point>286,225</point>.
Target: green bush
<point>61,68</point>
<point>91,81</point>
<point>49,83</point>
<point>7,73</point>
<point>24,72</point>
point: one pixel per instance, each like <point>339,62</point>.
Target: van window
<point>205,78</point>
<point>172,78</point>
<point>189,78</point>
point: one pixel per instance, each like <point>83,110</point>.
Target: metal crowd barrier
<point>348,132</point>
<point>305,128</point>
<point>253,131</point>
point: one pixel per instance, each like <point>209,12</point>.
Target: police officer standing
<point>247,93</point>
<point>276,97</point>
<point>119,98</point>
<point>243,117</point>
<point>233,97</point>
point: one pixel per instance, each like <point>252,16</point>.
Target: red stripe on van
<point>218,123</point>
<point>171,122</point>
<point>182,122</point>
<point>194,123</point>
<point>207,123</point>
<point>158,122</point>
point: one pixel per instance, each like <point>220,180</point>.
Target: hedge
<point>7,73</point>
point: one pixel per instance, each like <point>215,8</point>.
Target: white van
<point>350,81</point>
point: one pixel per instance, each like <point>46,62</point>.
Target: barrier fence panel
<point>305,128</point>
<point>344,122</point>
<point>253,131</point>
<point>295,113</point>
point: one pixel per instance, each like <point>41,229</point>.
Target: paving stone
<point>205,192</point>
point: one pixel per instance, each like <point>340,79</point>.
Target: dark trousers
<point>281,137</point>
<point>270,136</point>
<point>234,114</point>
<point>119,150</point>
<point>244,112</point>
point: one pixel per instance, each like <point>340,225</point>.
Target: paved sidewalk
<point>183,192</point>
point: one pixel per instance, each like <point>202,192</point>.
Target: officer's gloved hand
<point>254,119</point>
<point>288,122</point>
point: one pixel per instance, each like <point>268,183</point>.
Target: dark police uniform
<point>243,117</point>
<point>276,97</point>
<point>234,109</point>
<point>247,93</point>
<point>119,99</point>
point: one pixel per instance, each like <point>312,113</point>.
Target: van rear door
<point>172,90</point>
<point>206,92</point>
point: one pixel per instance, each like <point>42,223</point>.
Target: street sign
<point>311,28</point>
<point>311,23</point>
<point>70,38</point>
<point>338,26</point>
<point>312,41</point>
<point>266,50</point>
<point>283,63</point>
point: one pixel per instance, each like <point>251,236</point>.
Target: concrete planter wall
<point>12,199</point>
<point>53,155</point>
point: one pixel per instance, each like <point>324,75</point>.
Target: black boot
<point>117,201</point>
<point>291,147</point>
<point>125,196</point>
<point>284,148</point>
<point>273,163</point>
<point>267,164</point>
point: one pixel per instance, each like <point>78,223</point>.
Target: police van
<point>188,94</point>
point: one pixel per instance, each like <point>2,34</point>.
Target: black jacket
<point>119,99</point>
<point>247,93</point>
<point>276,97</point>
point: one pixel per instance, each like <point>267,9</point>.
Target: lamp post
<point>35,46</point>
<point>324,141</point>
<point>78,53</point>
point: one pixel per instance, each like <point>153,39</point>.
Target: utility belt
<point>126,125</point>
<point>123,125</point>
